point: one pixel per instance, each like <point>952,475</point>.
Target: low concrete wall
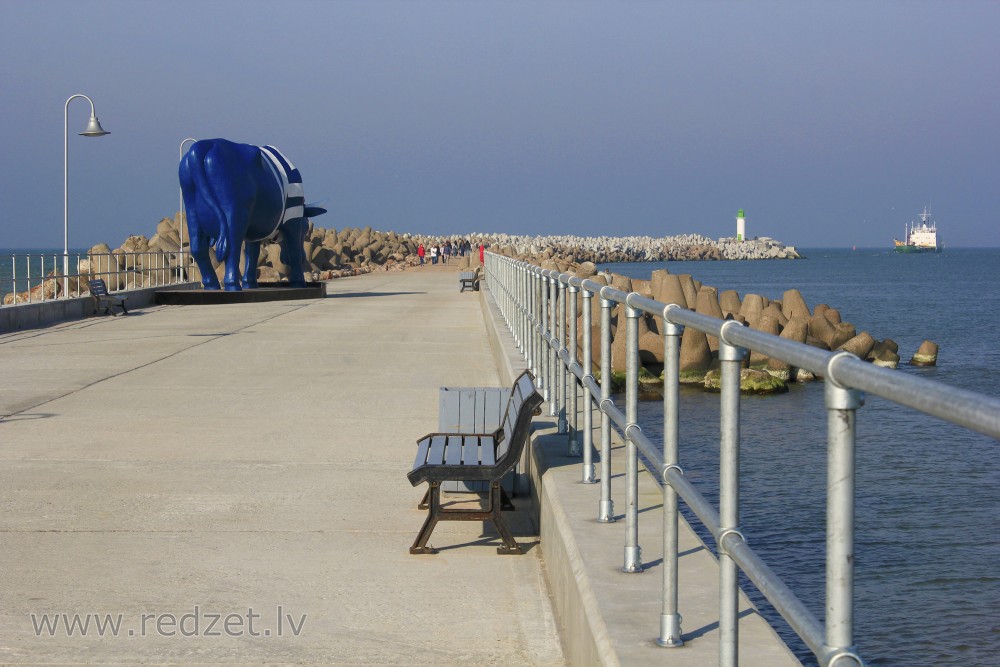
<point>583,633</point>
<point>43,313</point>
<point>585,636</point>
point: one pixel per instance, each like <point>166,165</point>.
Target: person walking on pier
<point>420,253</point>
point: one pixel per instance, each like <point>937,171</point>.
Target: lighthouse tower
<point>741,226</point>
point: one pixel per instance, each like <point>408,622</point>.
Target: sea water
<point>927,551</point>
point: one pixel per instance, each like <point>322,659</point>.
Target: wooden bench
<point>99,290</point>
<point>470,280</point>
<point>475,457</point>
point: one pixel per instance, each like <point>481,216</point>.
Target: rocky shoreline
<point>790,317</point>
<point>355,249</point>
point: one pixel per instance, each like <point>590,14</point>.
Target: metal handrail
<point>120,270</point>
<point>533,302</point>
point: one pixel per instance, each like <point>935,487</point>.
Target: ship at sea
<point>920,238</point>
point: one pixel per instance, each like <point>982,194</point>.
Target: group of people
<point>444,251</point>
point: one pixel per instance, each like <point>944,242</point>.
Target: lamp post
<point>182,222</point>
<point>94,129</point>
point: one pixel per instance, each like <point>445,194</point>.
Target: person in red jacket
<point>482,251</point>
<point>420,253</point>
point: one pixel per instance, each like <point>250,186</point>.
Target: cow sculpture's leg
<point>292,251</point>
<point>252,251</point>
<point>201,220</point>
<point>237,229</point>
<point>199,250</point>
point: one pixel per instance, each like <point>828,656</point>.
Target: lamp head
<point>94,129</point>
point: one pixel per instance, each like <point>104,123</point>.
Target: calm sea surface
<point>927,550</point>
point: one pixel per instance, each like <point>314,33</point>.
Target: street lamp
<point>182,222</point>
<point>94,129</point>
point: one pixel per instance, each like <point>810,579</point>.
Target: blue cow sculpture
<point>238,192</point>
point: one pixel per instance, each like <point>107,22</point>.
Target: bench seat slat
<point>436,455</point>
<point>422,448</point>
<point>487,452</point>
<point>470,450</point>
<point>453,451</point>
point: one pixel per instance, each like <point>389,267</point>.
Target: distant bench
<point>472,457</point>
<point>469,279</point>
<point>99,290</point>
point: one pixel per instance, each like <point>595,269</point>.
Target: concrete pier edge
<point>17,317</point>
<point>585,635</point>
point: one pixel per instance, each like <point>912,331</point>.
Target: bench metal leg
<point>510,546</point>
<point>497,498</point>
<point>420,544</point>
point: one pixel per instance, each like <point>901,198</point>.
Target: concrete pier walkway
<point>227,483</point>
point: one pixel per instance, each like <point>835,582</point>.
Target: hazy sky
<point>831,123</point>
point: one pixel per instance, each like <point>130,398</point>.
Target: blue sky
<point>831,123</point>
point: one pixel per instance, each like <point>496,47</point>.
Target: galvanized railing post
<point>588,399</point>
<point>606,511</point>
<point>529,303</point>
<point>543,350</point>
<point>573,387</point>
<point>511,298</point>
<point>842,405</point>
<point>531,292</point>
<point>633,553</point>
<point>731,358</point>
<point>561,369</point>
<point>539,309</point>
<point>522,301</point>
<point>499,280</point>
<point>512,291</point>
<point>670,618</point>
<point>551,345</point>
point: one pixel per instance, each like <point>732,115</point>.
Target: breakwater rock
<point>606,249</point>
<point>789,317</point>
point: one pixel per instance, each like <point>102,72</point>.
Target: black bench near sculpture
<point>99,290</point>
<point>475,457</point>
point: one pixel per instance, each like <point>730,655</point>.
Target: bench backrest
<point>98,287</point>
<point>516,425</point>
